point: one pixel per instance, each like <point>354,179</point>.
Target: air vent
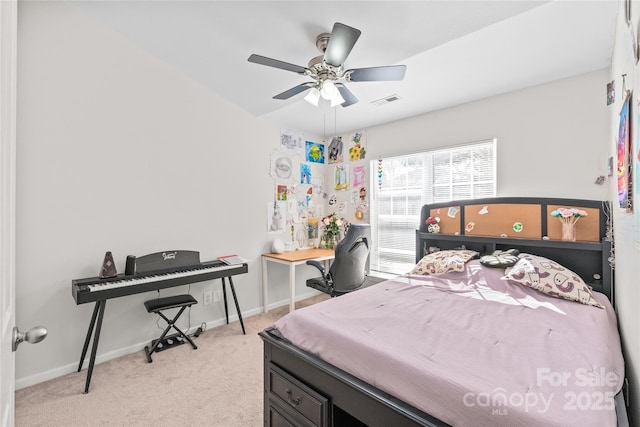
<point>386,100</point>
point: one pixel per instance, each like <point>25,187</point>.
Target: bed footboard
<point>302,390</point>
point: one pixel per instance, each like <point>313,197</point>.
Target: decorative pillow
<point>501,259</point>
<point>444,261</point>
<point>551,278</point>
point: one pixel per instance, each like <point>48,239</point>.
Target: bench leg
<point>171,324</point>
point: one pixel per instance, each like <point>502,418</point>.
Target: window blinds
<point>408,182</point>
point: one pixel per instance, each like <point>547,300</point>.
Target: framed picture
<point>624,154</point>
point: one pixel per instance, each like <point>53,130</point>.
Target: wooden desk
<point>291,258</point>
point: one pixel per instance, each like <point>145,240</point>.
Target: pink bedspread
<point>472,349</point>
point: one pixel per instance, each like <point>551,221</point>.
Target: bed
<point>459,340</point>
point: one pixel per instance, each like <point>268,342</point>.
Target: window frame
<point>403,223</point>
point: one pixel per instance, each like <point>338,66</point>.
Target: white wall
<point>552,139</point>
<point>626,224</point>
<point>120,151</point>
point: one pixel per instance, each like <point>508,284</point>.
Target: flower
<point>332,224</point>
<point>432,220</point>
<point>432,224</point>
<point>569,215</point>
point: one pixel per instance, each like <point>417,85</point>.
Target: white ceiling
<point>455,51</point>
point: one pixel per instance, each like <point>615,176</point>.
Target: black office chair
<point>348,271</point>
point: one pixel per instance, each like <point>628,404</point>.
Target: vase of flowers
<point>332,225</point>
<point>569,217</point>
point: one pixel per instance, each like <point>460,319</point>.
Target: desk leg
<point>265,289</point>
<point>292,287</point>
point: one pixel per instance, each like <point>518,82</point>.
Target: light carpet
<point>219,384</point>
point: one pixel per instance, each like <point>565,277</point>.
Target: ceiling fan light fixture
<point>337,100</point>
<point>328,90</point>
<point>313,97</point>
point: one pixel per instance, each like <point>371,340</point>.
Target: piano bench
<point>157,306</point>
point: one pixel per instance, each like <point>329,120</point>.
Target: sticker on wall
<point>452,212</point>
<point>282,165</point>
<point>341,177</point>
<point>484,210</point>
<point>379,173</point>
<point>333,200</point>
<point>611,92</point>
<point>305,173</point>
<point>291,141</point>
<point>276,217</point>
<point>518,227</point>
<point>309,198</point>
<point>358,175</point>
<point>318,185</point>
<point>470,226</point>
<point>281,193</point>
<point>357,149</point>
<point>314,152</point>
<point>335,150</point>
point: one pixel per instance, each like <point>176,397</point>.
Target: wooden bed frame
<point>316,393</point>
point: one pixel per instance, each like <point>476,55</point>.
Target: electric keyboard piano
<point>151,272</point>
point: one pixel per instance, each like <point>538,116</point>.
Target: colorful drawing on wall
<point>335,150</point>
<point>312,228</point>
<point>623,152</point>
<point>357,147</point>
<point>282,165</point>
<point>291,140</point>
<point>314,152</point>
<point>276,217</point>
<point>358,175</point>
<point>281,193</point>
<point>341,177</point>
<point>305,173</point>
<point>362,206</point>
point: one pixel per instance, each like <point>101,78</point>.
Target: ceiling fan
<point>326,70</point>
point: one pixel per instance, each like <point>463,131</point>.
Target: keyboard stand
<point>96,321</point>
<point>226,311</point>
<point>95,325</point>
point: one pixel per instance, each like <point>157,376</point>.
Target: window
<point>408,182</point>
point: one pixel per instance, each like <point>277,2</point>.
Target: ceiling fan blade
<point>376,74</point>
<point>340,44</point>
<point>294,90</point>
<point>347,95</point>
<point>269,62</point>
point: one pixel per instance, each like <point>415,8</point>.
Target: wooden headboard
<point>526,224</point>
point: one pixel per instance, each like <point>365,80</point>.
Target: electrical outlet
<point>206,298</point>
<point>216,296</point>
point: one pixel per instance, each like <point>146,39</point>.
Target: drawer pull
<point>295,401</point>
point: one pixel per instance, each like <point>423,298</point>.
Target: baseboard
<point>104,357</point>
<point>299,297</point>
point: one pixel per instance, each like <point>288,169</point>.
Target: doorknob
<point>33,335</point>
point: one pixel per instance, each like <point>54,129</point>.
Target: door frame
<point>8,67</point>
